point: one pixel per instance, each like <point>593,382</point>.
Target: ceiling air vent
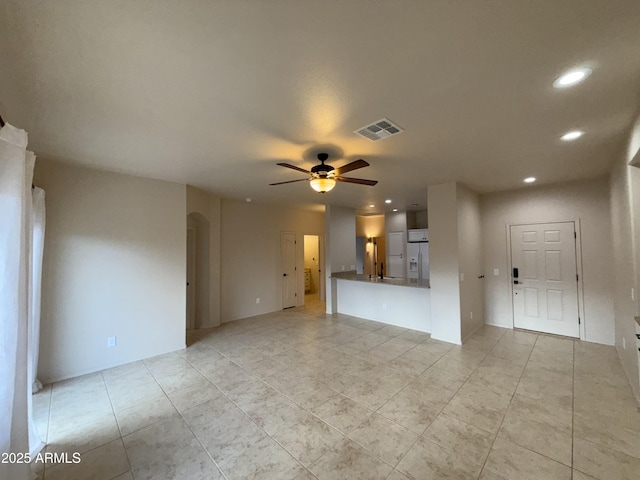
<point>378,130</point>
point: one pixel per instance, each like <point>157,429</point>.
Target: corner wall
<point>625,226</point>
<point>250,255</point>
<point>586,203</point>
<point>340,248</point>
<point>444,263</point>
<point>208,205</point>
<point>370,226</point>
<point>114,265</point>
<point>470,260</point>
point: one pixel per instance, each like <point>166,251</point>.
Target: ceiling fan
<point>322,178</point>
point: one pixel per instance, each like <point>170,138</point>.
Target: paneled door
<point>289,270</point>
<point>545,278</point>
<point>395,254</point>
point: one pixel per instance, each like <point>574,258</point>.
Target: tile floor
<point>301,395</point>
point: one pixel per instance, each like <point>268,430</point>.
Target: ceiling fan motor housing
<point>322,170</point>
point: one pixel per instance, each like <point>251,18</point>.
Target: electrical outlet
<point>258,300</point>
<point>496,272</point>
<point>111,342</point>
<point>343,268</point>
<point>470,315</point>
<point>624,344</point>
<point>384,306</point>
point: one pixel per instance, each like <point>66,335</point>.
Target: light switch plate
<point>496,272</point>
<point>111,342</point>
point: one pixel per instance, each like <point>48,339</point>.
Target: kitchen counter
<point>401,302</point>
<point>400,282</point>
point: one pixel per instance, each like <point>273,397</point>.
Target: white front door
<point>395,254</point>
<point>545,279</point>
<point>289,273</point>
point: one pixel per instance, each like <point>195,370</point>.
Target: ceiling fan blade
<point>293,167</point>
<point>360,181</point>
<point>351,166</point>
<point>291,181</point>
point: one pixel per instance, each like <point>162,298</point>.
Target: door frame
<point>578,230</point>
<point>192,300</point>
<point>298,278</point>
<point>322,280</point>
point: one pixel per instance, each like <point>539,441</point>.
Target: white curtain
<point>37,250</point>
<point>16,174</point>
<point>37,223</point>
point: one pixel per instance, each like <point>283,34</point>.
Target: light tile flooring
<point>302,395</point>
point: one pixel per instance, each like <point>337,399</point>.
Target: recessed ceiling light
<point>572,77</point>
<point>572,135</point>
<point>395,209</point>
<point>387,201</point>
<point>529,179</point>
<point>371,205</point>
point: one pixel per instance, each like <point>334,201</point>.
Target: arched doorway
<point>198,280</point>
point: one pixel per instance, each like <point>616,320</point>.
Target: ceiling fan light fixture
<point>322,184</point>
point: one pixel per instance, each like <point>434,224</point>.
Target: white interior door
<point>545,279</point>
<point>395,254</point>
<point>191,278</point>
<point>289,273</point>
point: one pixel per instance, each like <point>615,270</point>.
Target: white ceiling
<point>215,93</point>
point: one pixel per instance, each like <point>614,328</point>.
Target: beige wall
<point>342,239</point>
<point>250,255</point>
<point>114,265</point>
<point>625,226</point>
<point>370,226</point>
<point>340,248</point>
<point>208,205</point>
<point>395,222</point>
<point>470,260</point>
<point>586,203</point>
<point>444,263</point>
